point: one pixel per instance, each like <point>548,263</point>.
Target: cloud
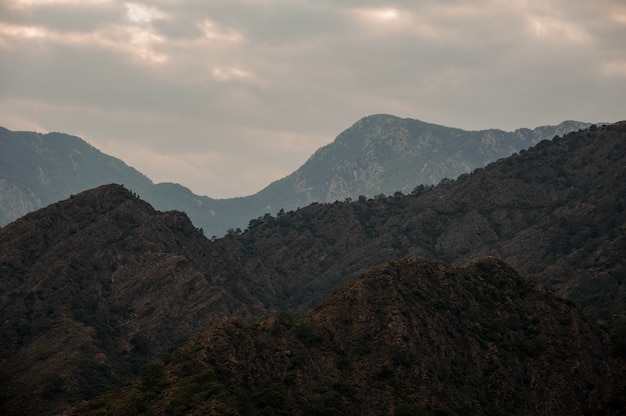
<point>140,13</point>
<point>213,31</point>
<point>231,73</point>
<point>223,86</point>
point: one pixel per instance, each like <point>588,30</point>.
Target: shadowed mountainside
<point>410,337</point>
<point>556,210</point>
<point>94,285</point>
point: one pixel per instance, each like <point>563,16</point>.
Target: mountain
<point>409,337</point>
<point>556,210</point>
<point>93,286</point>
<point>39,169</point>
<point>385,154</point>
<point>380,154</point>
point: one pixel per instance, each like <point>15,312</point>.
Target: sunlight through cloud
<point>139,13</point>
<point>382,15</point>
<point>212,30</point>
<point>554,30</point>
<point>22,31</point>
<point>142,42</point>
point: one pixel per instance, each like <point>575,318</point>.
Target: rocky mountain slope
<point>37,170</point>
<point>94,285</point>
<point>385,154</point>
<point>556,210</point>
<point>379,154</point>
<point>410,337</point>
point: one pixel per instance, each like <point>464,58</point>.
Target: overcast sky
<point>226,96</point>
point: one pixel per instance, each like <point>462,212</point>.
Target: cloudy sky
<point>226,96</point>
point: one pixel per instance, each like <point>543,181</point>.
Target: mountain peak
<point>101,280</point>
<point>88,206</point>
<point>379,154</point>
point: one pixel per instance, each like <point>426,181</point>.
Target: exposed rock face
<point>385,154</point>
<point>379,154</point>
<point>39,169</point>
<point>556,210</point>
<point>16,201</point>
<point>407,337</point>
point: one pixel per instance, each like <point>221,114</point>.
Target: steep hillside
<point>410,337</point>
<point>385,154</point>
<point>37,170</point>
<point>93,285</point>
<point>556,210</point>
<point>379,154</point>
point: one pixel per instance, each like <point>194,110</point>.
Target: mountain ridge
<point>554,210</point>
<point>349,166</point>
<point>50,171</point>
<point>412,336</point>
<point>94,286</point>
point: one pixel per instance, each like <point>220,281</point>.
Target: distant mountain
<point>93,286</point>
<point>380,154</point>
<point>409,337</point>
<point>39,169</point>
<point>385,154</point>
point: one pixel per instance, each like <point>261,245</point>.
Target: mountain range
<point>379,154</point>
<point>334,308</point>
<point>408,337</point>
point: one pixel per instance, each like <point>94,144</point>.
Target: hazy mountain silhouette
<point>380,154</point>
